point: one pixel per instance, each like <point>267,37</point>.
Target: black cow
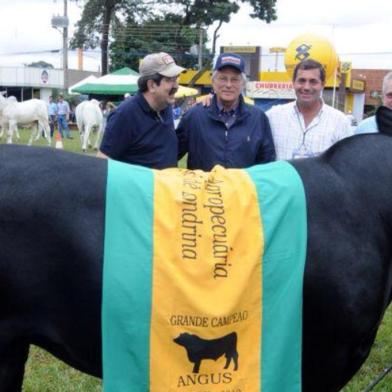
<point>198,349</point>
<point>52,206</point>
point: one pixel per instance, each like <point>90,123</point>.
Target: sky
<point>358,29</point>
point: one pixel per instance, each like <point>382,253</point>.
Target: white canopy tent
<point>89,79</point>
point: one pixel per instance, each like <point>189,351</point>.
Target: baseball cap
<point>230,60</point>
<point>161,63</point>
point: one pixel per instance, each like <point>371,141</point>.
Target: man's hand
<point>206,100</point>
<point>101,155</point>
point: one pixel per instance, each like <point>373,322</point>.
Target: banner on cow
<point>203,279</point>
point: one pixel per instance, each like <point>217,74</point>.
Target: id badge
<point>301,153</point>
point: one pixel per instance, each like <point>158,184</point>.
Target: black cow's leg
<point>228,360</point>
<point>196,367</point>
<point>13,357</point>
<point>232,356</point>
<point>235,358</point>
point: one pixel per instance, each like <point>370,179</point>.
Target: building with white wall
<point>28,82</point>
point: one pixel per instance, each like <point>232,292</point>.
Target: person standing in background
<point>52,113</point>
<point>63,112</point>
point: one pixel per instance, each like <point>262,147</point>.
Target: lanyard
<point>306,130</point>
<point>302,151</point>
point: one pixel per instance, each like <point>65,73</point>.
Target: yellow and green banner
<point>202,285</point>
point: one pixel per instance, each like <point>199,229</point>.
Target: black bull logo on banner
<point>52,206</point>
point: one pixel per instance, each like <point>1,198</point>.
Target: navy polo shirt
<point>137,134</point>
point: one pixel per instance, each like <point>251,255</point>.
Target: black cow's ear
<point>384,120</point>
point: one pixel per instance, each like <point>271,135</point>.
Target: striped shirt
<point>292,139</point>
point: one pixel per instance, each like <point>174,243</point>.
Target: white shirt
<point>293,140</point>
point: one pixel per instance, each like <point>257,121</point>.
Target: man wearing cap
<point>228,132</point>
<point>141,130</point>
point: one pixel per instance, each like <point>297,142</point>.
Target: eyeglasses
<point>226,80</point>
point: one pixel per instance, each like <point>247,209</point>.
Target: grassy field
<point>46,374</point>
<point>69,144</point>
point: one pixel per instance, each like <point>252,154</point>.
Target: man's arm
<point>116,138</point>
<point>182,133</point>
<point>346,129</point>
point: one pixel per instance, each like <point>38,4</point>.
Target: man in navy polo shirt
<point>141,130</point>
<point>228,132</point>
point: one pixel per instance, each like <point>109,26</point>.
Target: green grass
<point>44,373</point>
<point>380,357</point>
<point>73,145</point>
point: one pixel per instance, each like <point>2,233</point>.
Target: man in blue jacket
<point>228,132</point>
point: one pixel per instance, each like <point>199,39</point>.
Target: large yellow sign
<point>310,46</point>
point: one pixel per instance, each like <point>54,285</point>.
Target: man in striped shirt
<point>308,126</point>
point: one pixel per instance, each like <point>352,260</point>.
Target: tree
<point>94,26</point>
<point>132,41</point>
<point>98,15</point>
<point>206,12</point>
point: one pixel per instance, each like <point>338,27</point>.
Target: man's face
<point>387,96</point>
<point>164,93</point>
<point>308,87</point>
<point>228,84</point>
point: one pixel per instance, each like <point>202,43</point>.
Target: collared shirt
<point>62,108</point>
<point>291,136</point>
<point>52,108</point>
<point>369,125</point>
<point>137,134</point>
<point>228,117</point>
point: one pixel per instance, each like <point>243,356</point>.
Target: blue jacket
<point>203,134</point>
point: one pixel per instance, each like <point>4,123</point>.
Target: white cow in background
<point>13,113</point>
<point>3,126</point>
<point>89,117</point>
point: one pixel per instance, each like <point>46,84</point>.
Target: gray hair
<point>385,81</point>
<point>243,75</point>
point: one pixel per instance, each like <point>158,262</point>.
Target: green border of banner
<point>130,366</point>
<point>283,210</point>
